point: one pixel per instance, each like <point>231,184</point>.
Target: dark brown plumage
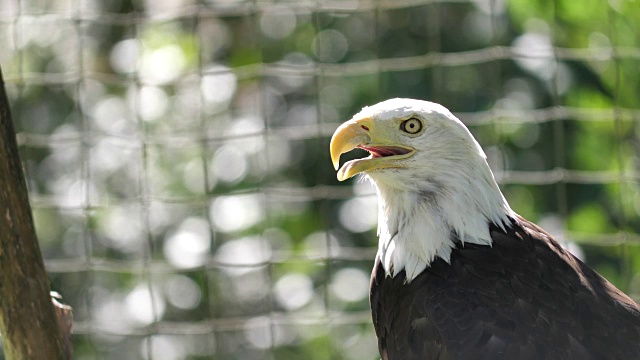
<point>524,297</point>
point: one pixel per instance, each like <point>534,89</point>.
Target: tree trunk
<point>28,321</point>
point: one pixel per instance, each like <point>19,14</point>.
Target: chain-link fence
<point>177,153</point>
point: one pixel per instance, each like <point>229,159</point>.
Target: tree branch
<point>28,321</point>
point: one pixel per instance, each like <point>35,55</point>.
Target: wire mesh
<point>177,153</point>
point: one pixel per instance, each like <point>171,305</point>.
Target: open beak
<point>363,134</point>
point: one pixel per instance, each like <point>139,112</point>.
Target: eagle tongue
<point>383,151</point>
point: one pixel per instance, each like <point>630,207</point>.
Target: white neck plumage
<point>418,224</point>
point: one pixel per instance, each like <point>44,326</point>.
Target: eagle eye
<point>411,126</point>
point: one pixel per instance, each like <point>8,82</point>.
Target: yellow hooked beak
<point>363,134</point>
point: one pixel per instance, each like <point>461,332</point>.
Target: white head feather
<point>446,192</point>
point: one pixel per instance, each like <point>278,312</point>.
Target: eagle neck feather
<point>416,226</point>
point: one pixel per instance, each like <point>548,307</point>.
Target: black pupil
<point>411,126</point>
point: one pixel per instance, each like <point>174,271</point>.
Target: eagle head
<point>435,188</point>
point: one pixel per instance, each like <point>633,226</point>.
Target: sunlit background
<point>176,153</point>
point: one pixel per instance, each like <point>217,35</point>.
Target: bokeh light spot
<point>162,65</point>
<point>278,23</point>
<point>330,46</point>
<point>124,56</point>
<point>243,255</point>
<point>189,246</point>
<point>350,284</point>
<point>293,291</point>
<point>359,214</point>
<point>182,292</point>
<point>235,213</point>
<point>143,306</point>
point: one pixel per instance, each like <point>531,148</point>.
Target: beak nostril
<point>364,127</point>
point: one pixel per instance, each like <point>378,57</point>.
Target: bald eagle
<point>458,274</point>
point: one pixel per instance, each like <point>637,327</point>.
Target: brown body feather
<point>525,297</point>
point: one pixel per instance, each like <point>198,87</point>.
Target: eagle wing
<point>523,298</point>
